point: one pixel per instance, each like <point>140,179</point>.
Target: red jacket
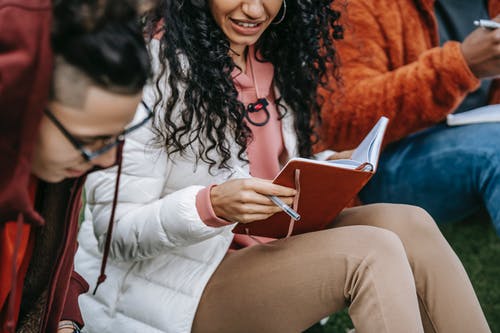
<point>391,65</point>
<point>25,70</point>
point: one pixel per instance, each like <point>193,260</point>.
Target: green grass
<point>477,245</point>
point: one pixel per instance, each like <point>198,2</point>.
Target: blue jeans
<point>450,171</point>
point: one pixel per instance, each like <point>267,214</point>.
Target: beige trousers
<point>389,264</point>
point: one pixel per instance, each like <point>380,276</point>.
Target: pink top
<point>265,148</point>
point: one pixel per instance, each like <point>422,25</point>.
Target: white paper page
<point>341,163</point>
<point>345,163</point>
<point>485,114</point>
<point>369,149</point>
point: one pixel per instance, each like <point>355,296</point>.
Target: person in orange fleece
<point>416,61</point>
<point>57,129</point>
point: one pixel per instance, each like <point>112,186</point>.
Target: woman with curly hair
<point>236,90</point>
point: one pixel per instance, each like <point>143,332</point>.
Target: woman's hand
<point>346,154</point>
<point>245,200</point>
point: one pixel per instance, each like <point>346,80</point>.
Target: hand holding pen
<point>489,24</point>
<point>481,50</point>
<point>275,199</point>
<point>251,199</point>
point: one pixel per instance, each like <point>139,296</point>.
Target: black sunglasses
<point>80,146</point>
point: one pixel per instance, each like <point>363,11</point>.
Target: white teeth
<point>247,25</point>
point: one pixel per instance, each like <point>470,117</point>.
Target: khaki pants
<point>388,263</point>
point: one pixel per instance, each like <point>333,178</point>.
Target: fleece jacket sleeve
<point>389,68</point>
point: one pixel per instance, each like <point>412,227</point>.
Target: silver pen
<point>287,209</point>
<point>277,201</point>
<point>489,24</point>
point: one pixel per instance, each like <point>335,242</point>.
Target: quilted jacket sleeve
<point>147,222</point>
<point>380,80</point>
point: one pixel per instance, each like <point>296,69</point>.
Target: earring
<point>282,16</point>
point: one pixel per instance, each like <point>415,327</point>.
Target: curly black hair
<point>299,48</point>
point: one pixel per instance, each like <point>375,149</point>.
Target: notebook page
<point>369,149</point>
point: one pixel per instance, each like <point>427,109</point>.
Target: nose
<point>105,160</point>
<point>253,8</point>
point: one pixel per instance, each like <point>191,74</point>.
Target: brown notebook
<point>326,187</point>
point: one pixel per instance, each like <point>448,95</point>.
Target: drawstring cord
<point>107,244</point>
<point>11,323</point>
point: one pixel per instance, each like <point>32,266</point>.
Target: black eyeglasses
<point>105,144</point>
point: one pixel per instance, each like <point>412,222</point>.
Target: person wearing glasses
<point>235,91</point>
<point>99,69</point>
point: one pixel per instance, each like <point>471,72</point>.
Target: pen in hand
<point>277,201</point>
<point>287,209</point>
<point>489,24</point>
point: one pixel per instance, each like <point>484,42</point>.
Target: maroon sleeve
<point>25,72</point>
<point>71,311</point>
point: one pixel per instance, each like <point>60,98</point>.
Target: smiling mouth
<point>246,24</point>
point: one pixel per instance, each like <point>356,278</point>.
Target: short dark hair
<point>104,41</point>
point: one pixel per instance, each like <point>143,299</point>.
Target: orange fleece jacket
<point>392,65</point>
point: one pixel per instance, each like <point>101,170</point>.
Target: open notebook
<point>325,187</point>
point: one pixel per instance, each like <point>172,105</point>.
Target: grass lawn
<point>478,247</point>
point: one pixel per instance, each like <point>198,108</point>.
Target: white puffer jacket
<point>162,254</point>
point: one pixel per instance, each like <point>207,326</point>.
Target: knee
<point>482,162</point>
<point>489,159</point>
<point>419,223</point>
<point>380,246</point>
<point>413,225</point>
<point>407,221</point>
<point>385,242</point>
<point>421,236</point>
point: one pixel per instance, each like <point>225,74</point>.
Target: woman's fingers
<point>346,154</point>
<point>252,208</point>
<point>249,196</point>
<point>248,218</point>
<point>266,187</point>
<point>247,200</point>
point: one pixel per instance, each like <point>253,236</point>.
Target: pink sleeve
<point>206,211</point>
